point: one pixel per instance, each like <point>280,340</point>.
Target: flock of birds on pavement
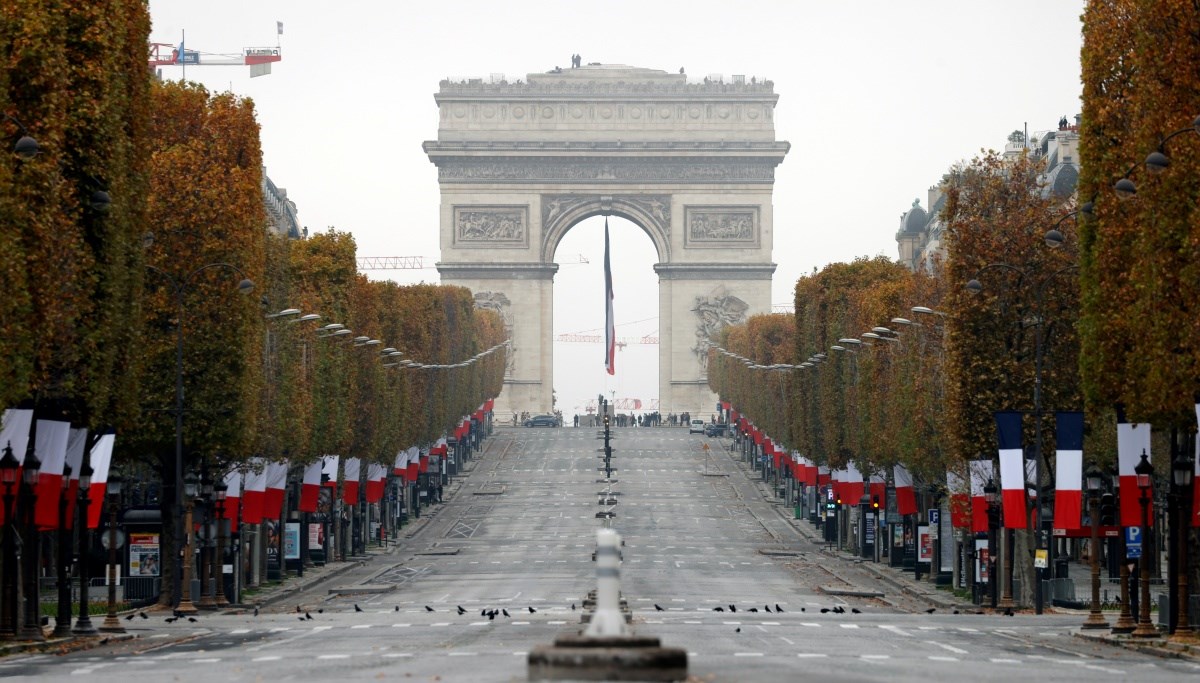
<point>491,614</point>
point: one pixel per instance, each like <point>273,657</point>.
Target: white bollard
<point>607,620</point>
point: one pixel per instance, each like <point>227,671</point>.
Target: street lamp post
<point>185,606</point>
<point>1183,471</point>
<point>111,623</point>
<point>1145,475</point>
<point>219,491</point>
<point>83,624</point>
<point>62,622</point>
<point>179,289</point>
<point>30,627</point>
<point>206,495</point>
<point>9,610</point>
<point>989,494</point>
<point>1095,617</point>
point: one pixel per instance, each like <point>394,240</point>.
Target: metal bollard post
<point>607,620</point>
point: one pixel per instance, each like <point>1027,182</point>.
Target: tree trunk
<point>1023,571</point>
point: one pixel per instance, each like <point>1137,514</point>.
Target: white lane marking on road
<point>520,654</point>
<point>876,656</point>
<point>943,659</point>
<point>809,655</point>
<point>692,621</point>
<point>206,660</point>
<point>556,623</point>
<point>949,648</point>
<point>394,655</point>
<point>401,625</point>
<point>268,658</point>
<point>361,626</point>
<point>239,631</point>
<point>1002,660</point>
<point>520,623</point>
<point>810,623</point>
<point>463,654</point>
<point>732,623</point>
<point>770,623</point>
<point>848,625</point>
<point>896,629</point>
<point>333,656</point>
<point>441,623</point>
<point>968,630</point>
<point>1105,669</point>
<point>747,654</point>
<point>479,623</point>
<point>786,640</point>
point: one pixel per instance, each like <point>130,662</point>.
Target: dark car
<point>542,421</point>
<point>714,429</point>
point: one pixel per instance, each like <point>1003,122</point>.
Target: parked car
<point>696,427</point>
<point>542,421</point>
<point>714,429</point>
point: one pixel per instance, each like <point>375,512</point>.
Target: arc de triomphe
<point>692,164</point>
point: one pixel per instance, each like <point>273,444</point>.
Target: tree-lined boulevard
<point>517,532</point>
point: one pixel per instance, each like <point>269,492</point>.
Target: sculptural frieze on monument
<point>491,224</point>
<point>656,207</point>
<point>722,225</point>
<point>713,313</point>
<point>500,303</point>
<point>648,172</point>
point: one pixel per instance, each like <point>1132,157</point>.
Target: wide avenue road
<point>517,534</point>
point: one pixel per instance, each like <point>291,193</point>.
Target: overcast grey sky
<point>877,97</point>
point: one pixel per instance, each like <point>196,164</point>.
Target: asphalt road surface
<point>518,534</point>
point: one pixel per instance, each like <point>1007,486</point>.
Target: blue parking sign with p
<point>1133,543</point>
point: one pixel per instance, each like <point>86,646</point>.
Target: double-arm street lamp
<point>180,288</point>
<point>993,515</point>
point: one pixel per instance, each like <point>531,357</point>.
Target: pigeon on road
<point>780,609</point>
<point>308,616</point>
<point>532,610</point>
<point>718,609</point>
<point>192,619</point>
<point>572,607</point>
<point>357,608</point>
<point>824,610</point>
<point>856,610</point>
<point>733,608</point>
<point>171,620</point>
<point>256,611</point>
<point>428,608</point>
<point>766,608</point>
<point>754,609</point>
<point>657,608</point>
<point>504,612</point>
<point>461,611</point>
<point>130,617</point>
<point>931,610</point>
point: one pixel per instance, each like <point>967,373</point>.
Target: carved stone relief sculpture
<point>497,301</point>
<point>498,226</point>
<point>657,207</point>
<point>713,313</point>
<point>721,226</point>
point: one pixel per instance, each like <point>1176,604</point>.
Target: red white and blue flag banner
<point>1196,478</point>
<point>982,471</point>
<point>423,462</point>
<point>310,486</point>
<point>376,475</point>
<point>878,488</point>
<point>400,466</point>
<point>1012,468</point>
<point>50,443</point>
<point>100,459</point>
<point>414,462</point>
<point>906,497</point>
<point>353,473</point>
<point>852,486</point>
<point>254,490</point>
<point>1132,441</point>
<point>1068,470</point>
<point>610,324</point>
<point>960,500</point>
<point>76,443</point>
<point>233,499</point>
<point>329,471</point>
<point>14,433</point>
<point>277,473</point>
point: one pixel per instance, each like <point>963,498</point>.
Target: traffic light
<point>606,419</point>
<point>839,500</point>
<point>1108,510</point>
<point>874,502</point>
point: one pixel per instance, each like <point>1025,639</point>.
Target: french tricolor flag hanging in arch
<point>1012,468</point>
<point>610,326</point>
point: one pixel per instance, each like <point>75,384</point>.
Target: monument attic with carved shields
<point>692,164</point>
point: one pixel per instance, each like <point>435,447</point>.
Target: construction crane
<point>259,59</point>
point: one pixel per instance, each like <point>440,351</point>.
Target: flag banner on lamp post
<point>400,465</point>
<point>100,459</point>
<point>982,471</point>
<point>76,443</point>
<point>878,488</point>
<point>906,498</point>
<point>310,486</point>
<point>1132,441</point>
<point>960,500</point>
<point>254,489</point>
<point>14,433</point>
<point>853,485</point>
<point>610,325</point>
<point>824,475</point>
<point>414,464</point>
<point>1196,478</point>
<point>376,475</point>
<point>50,444</point>
<point>353,473</point>
<point>1012,468</point>
<point>1068,470</point>
<point>276,486</point>
<point>233,499</point>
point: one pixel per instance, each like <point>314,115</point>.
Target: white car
<point>696,427</point>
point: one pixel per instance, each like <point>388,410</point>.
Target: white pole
<point>607,620</point>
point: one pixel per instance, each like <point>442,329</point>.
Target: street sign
<point>1041,558</point>
<point>1133,543</point>
<point>935,516</point>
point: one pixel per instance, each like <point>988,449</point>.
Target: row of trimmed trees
<point>1114,305</point>
<point>93,300</point>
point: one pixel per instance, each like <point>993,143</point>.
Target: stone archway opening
<point>579,317</point>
